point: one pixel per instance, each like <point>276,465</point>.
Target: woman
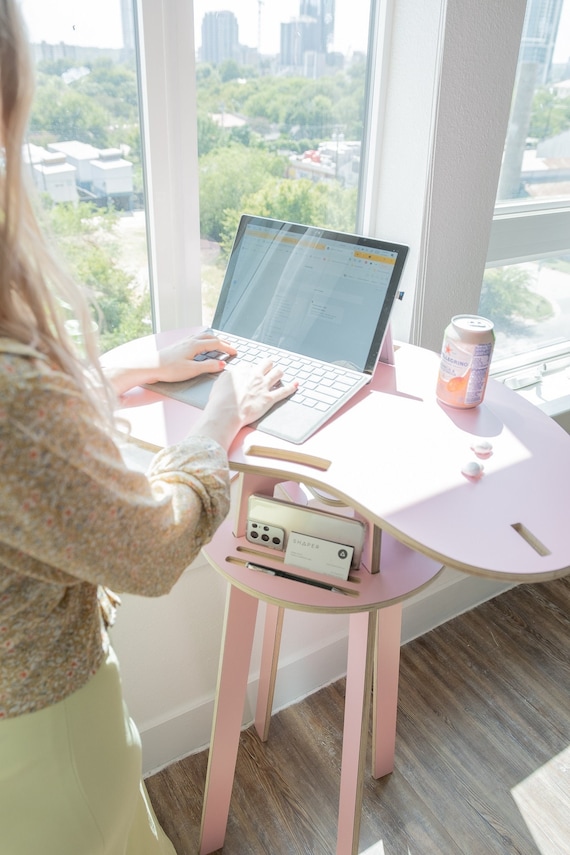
<point>75,521</point>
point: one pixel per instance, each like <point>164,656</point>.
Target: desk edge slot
<point>531,539</point>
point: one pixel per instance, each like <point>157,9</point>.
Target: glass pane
<point>281,94</point>
<point>536,163</point>
<point>84,154</point>
<point>529,304</point>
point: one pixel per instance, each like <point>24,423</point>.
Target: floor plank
<point>482,754</point>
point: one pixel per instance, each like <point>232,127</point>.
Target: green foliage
<point>61,112</point>
<point>209,134</point>
<point>100,108</point>
<point>85,236</point>
<point>227,175</point>
<point>114,87</point>
<point>509,301</point>
<point>241,169</point>
<point>327,205</point>
<point>315,108</point>
<point>550,115</point>
<point>229,70</point>
<point>56,66</point>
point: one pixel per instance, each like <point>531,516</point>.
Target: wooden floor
<point>482,753</point>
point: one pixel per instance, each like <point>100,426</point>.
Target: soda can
<point>466,355</point>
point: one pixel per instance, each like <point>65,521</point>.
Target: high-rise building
<point>311,33</point>
<point>539,35</point>
<point>128,25</point>
<point>297,38</point>
<point>540,30</point>
<point>220,38</point>
<point>322,11</point>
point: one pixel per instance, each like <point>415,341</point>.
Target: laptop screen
<point>316,292</point>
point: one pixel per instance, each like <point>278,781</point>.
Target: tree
<point>114,87</point>
<point>209,134</point>
<point>229,70</point>
<point>550,114</point>
<point>508,300</point>
<point>227,175</point>
<point>85,236</point>
<point>62,113</point>
<point>327,205</point>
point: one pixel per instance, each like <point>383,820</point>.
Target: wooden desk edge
<point>349,608</point>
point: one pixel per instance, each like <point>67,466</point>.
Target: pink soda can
<point>466,354</point>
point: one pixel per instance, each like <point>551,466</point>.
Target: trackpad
<point>195,392</point>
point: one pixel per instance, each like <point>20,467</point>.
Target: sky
<point>98,22</point>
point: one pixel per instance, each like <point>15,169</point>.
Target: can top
<point>471,327</point>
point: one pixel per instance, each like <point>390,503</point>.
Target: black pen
<point>261,568</point>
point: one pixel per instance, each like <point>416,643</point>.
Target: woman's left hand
<point>178,360</point>
<point>172,363</point>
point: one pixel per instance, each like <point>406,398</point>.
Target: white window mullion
<point>452,68</point>
<point>166,37</point>
<point>518,237</point>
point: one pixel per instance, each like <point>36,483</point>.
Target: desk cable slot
<point>531,539</point>
<point>293,577</point>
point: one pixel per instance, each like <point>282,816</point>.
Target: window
<point>526,288</point>
<point>413,81</point>
<point>281,100</point>
<point>83,151</point>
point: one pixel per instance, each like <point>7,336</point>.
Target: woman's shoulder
<point>19,361</point>
<point>30,387</point>
<point>21,364</point>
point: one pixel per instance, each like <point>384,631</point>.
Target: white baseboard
<point>188,731</point>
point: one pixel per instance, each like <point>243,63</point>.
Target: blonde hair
<point>33,283</point>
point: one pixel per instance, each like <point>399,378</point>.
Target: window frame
<point>428,149</point>
<point>165,33</point>
<point>527,232</point>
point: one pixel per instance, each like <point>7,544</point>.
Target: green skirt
<point>70,778</point>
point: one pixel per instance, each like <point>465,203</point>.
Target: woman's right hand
<point>241,395</point>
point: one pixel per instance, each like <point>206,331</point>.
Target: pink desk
<point>396,457</point>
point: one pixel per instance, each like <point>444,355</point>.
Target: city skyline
<point>99,23</point>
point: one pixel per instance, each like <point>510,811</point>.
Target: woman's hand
<point>172,363</point>
<point>178,361</point>
<point>240,396</point>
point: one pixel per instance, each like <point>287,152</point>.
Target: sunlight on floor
<point>544,802</point>
<point>375,849</point>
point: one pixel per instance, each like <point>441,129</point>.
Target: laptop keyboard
<point>321,384</point>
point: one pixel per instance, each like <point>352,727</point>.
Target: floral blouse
<point>75,518</point>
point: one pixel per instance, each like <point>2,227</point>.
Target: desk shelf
<point>403,573</point>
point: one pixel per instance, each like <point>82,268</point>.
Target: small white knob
<point>482,448</point>
<point>473,469</point>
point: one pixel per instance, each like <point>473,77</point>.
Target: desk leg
<point>362,630</point>
<point>386,674</point>
<point>268,669</point>
<point>237,642</point>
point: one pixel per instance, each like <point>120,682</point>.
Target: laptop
<point>315,301</point>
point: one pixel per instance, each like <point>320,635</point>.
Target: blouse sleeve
<point>71,510</point>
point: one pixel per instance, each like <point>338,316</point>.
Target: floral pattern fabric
<point>75,519</point>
